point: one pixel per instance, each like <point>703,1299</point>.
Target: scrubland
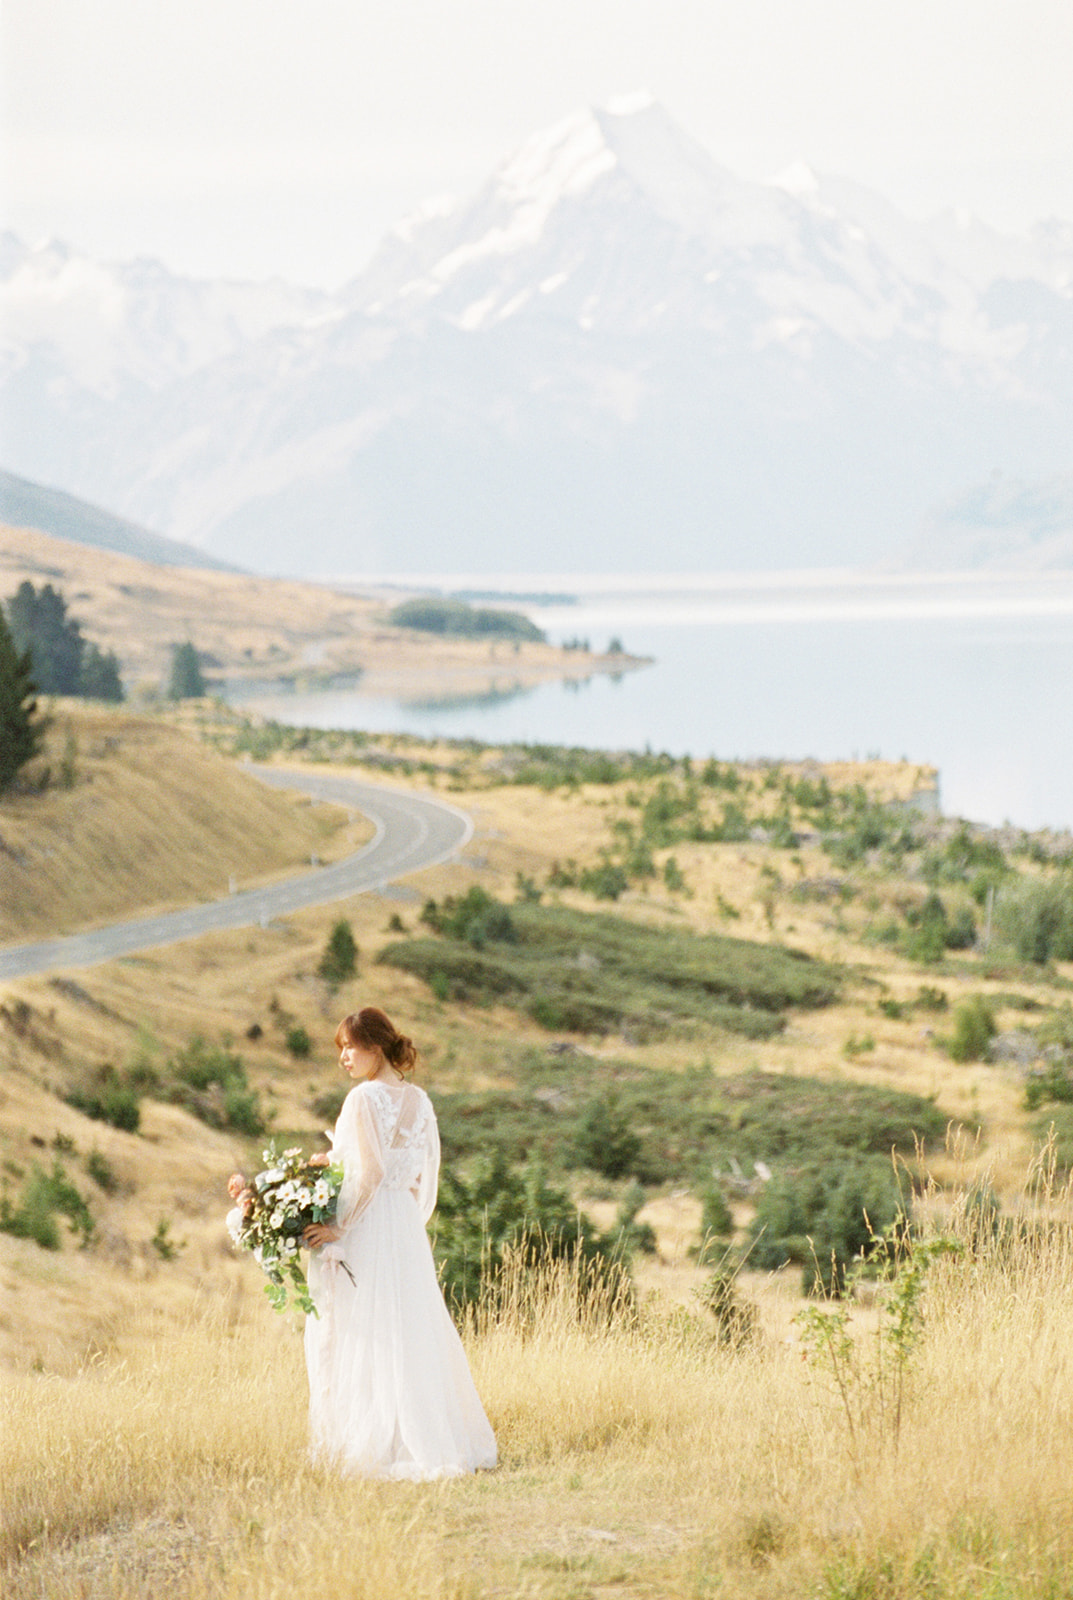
<point>639,1456</point>
<point>154,1406</point>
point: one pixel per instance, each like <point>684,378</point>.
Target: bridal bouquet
<point>271,1213</point>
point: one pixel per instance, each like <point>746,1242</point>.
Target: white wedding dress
<point>390,1391</point>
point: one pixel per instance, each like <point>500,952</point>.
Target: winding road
<point>412,831</point>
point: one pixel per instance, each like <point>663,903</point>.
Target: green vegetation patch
<point>588,972</point>
<point>663,1127</point>
<point>458,619</point>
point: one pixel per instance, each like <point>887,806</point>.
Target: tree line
<point>43,651</point>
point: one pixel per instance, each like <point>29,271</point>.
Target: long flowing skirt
<point>390,1391</point>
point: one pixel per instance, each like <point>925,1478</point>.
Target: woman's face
<point>360,1061</point>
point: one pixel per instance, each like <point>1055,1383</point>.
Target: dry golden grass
<point>153,820</point>
<point>638,1457</point>
<point>265,628</point>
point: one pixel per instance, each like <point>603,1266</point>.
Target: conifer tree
<point>21,730</point>
<point>39,623</point>
<point>187,681</point>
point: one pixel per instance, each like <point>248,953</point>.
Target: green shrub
<point>604,1139</point>
<point>1036,918</point>
<point>100,1169</point>
<point>606,882</point>
<point>298,1041</point>
<point>821,1218</point>
<point>476,918</point>
<point>591,972</point>
<point>974,1028</point>
<point>716,1222</point>
<point>45,1196</point>
<point>496,1208</point>
<point>339,960</point>
<point>460,620</point>
<point>112,1098</point>
<point>210,1082</point>
<point>1053,1085</point>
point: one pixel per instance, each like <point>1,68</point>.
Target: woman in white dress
<point>390,1391</point>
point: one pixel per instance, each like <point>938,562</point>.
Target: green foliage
<point>605,882</point>
<point>475,918</point>
<point>737,1320</point>
<point>21,729</point>
<point>630,1235</point>
<point>974,1028</point>
<point>822,1217</point>
<point>1036,918</point>
<point>45,1196</point>
<point>40,624</point>
<point>458,619</point>
<point>185,680</point>
<point>871,1379</point>
<point>685,1131</point>
<point>162,1242</point>
<point>100,1169</point>
<point>604,1138</point>
<point>339,960</point>
<point>209,1081</point>
<point>587,972</point>
<point>298,1041</point>
<point>62,661</point>
<point>110,1097</point>
<point>498,1209</point>
<point>716,1222</point>
<point>100,675</point>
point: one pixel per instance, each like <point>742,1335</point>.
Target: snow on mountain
<point>615,351</point>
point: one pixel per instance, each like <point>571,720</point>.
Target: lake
<point>970,673</point>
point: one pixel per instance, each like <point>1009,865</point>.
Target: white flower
<point>275,1175</point>
<point>304,1197</point>
<point>234,1224</point>
<point>277,1218</point>
<point>290,1248</point>
<point>322,1192</point>
<point>259,1255</point>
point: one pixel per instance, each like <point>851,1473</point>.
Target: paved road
<point>412,831</point>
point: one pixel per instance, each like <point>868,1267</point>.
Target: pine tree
<point>186,681</point>
<point>21,730</point>
<point>339,960</point>
<point>39,623</point>
<point>100,675</point>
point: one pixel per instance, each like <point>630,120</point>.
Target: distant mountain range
<point>616,355</point>
<point>30,505</point>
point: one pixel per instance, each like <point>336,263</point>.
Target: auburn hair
<point>372,1029</point>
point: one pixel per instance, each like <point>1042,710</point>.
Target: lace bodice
<point>386,1137</point>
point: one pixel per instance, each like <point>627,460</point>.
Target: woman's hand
<point>319,1233</point>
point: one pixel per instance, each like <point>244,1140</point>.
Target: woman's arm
<point>357,1146</point>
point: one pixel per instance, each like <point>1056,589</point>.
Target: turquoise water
<point>985,698</point>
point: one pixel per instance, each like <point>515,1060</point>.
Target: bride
<point>390,1393</point>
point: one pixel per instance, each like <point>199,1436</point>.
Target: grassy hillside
<point>142,818</point>
<point>268,629</point>
<point>644,1455</point>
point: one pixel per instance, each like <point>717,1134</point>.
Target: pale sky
<point>250,138</point>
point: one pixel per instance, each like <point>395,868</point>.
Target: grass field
<point>154,1406</point>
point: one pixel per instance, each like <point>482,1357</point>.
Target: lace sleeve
<point>357,1145</point>
<point>425,1190</point>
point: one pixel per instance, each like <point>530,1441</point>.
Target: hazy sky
<point>254,137</point>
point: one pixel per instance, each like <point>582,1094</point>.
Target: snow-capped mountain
<point>615,354</point>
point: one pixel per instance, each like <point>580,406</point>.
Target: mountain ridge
<point>614,350</point>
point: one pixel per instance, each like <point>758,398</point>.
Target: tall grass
<point>639,1455</point>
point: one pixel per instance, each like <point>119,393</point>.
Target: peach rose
<point>235,1185</point>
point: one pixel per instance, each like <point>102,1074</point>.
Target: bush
<point>1037,919</point>
<point>604,1139</point>
<point>100,1169</point>
<point>46,1196</point>
<point>974,1028</point>
<point>591,972</point>
<point>211,1083</point>
<point>339,961</point>
<point>716,1223</point>
<point>499,1209</point>
<point>298,1041</point>
<point>822,1218</point>
<point>476,918</point>
<point>112,1099</point>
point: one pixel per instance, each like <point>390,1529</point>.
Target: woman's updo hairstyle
<point>371,1029</point>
